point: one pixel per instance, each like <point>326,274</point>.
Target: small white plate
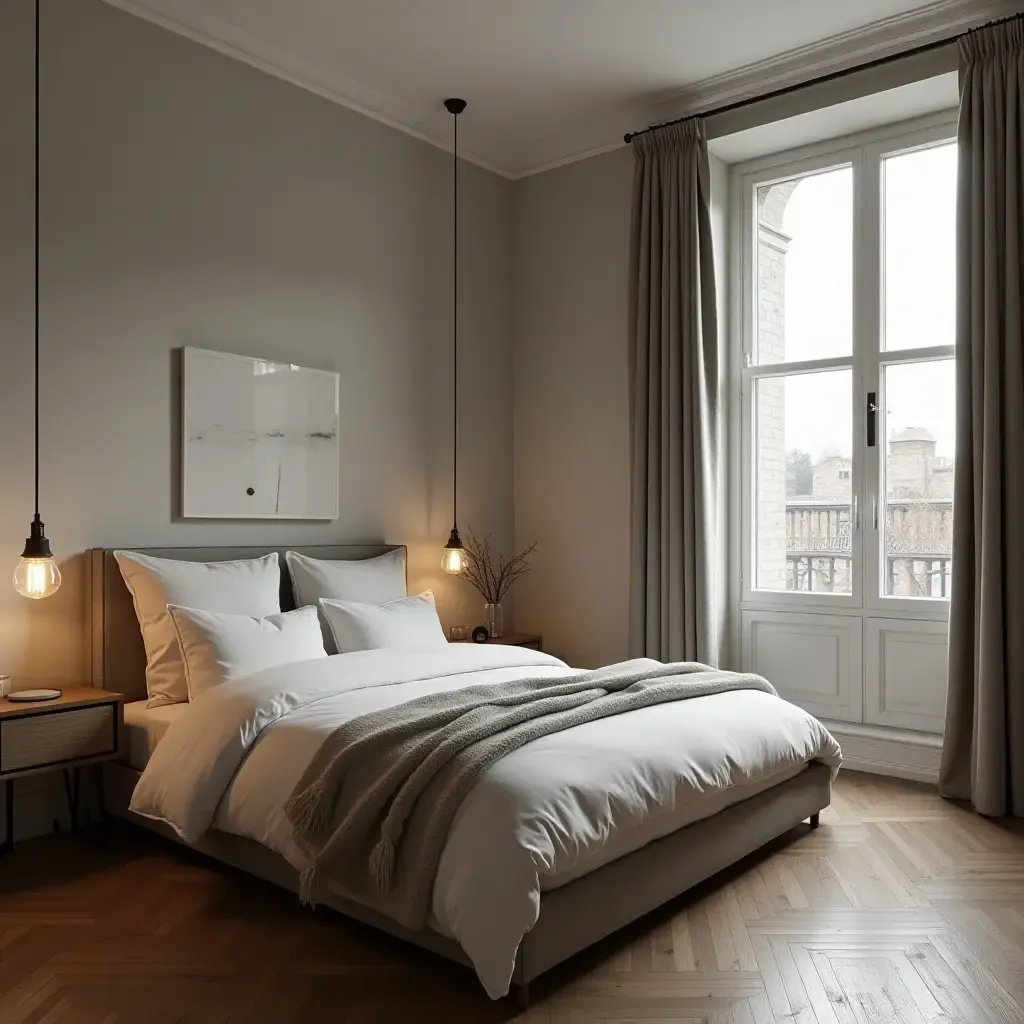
<point>31,696</point>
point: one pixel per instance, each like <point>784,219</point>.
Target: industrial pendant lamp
<point>453,560</point>
<point>37,574</point>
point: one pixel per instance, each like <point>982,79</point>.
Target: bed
<point>575,904</point>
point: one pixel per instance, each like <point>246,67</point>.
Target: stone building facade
<point>833,477</point>
<point>770,406</point>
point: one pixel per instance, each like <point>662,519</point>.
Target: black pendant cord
<point>455,328</point>
<point>36,544</point>
<point>36,271</point>
<point>455,106</point>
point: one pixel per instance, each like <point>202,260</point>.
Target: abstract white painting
<point>260,439</point>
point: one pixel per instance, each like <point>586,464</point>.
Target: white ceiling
<point>551,80</point>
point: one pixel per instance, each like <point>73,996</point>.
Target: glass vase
<point>493,619</point>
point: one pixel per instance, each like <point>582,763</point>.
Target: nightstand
<point>83,726</point>
<point>532,640</point>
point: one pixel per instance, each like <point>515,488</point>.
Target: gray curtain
<point>983,751</point>
<point>673,352</point>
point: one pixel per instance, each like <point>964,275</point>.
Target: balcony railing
<point>918,541</point>
<point>918,575</point>
<point>824,574</point>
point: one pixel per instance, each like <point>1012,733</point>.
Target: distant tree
<point>799,472</point>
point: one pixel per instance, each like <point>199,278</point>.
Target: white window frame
<point>875,359</point>
<point>864,151</point>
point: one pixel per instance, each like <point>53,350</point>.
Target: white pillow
<point>410,624</point>
<point>249,586</point>
<point>217,647</point>
<point>367,580</point>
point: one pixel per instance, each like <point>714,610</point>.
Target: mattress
<point>144,727</point>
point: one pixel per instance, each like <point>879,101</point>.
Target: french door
<point>846,425</point>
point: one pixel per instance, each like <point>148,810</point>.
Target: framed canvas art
<point>260,439</point>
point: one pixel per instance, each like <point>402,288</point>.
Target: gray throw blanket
<point>374,805</point>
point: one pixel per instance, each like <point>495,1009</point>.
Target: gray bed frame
<point>573,916</point>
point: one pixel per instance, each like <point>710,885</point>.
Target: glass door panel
<point>919,247</point>
<point>804,256</point>
<point>803,520</point>
<point>917,514</point>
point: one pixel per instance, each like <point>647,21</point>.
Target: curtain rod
<point>832,76</point>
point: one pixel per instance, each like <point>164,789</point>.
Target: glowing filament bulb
<point>36,577</point>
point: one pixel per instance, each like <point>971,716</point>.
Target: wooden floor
<point>900,908</point>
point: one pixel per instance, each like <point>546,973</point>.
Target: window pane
<point>918,520</point>
<point>804,267</point>
<point>802,516</point>
<point>919,248</point>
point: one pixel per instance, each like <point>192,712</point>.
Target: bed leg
<point>815,819</point>
<point>523,996</point>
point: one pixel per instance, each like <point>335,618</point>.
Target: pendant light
<point>453,560</point>
<point>37,575</point>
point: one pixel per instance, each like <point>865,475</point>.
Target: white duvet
<point>551,811</point>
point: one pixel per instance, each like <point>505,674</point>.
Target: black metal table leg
<point>8,844</point>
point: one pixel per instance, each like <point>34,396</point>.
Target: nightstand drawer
<point>43,739</point>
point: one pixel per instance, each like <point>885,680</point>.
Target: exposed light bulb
<point>36,577</point>
<point>454,557</point>
<point>453,560</point>
<point>37,574</point>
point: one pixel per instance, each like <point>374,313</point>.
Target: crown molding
<point>570,158</point>
<point>264,55</point>
<point>939,20</point>
<point>943,19</point>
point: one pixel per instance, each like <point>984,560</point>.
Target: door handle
<point>856,513</point>
<point>874,512</point>
<point>872,416</point>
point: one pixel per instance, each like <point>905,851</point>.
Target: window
<point>918,403</point>
<point>919,247</point>
<point>803,415</point>
<point>847,380</point>
<point>803,507</point>
<point>804,267</point>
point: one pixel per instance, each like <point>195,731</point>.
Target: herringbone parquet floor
<point>900,908</point>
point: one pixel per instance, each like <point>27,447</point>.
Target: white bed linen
<point>555,809</point>
<point>144,727</point>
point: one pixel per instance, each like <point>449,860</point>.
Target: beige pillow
<point>250,586</point>
<point>217,647</point>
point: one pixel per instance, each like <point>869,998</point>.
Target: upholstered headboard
<point>118,658</point>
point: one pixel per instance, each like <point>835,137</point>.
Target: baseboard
<point>900,753</point>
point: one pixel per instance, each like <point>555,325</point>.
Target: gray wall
<point>571,258</point>
<point>571,245</point>
<point>191,200</point>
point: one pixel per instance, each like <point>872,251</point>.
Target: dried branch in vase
<point>492,573</point>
